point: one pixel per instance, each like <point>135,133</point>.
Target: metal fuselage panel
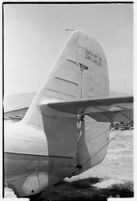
<point>29,168</point>
<point>27,161</point>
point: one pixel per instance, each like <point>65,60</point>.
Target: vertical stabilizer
<point>80,72</point>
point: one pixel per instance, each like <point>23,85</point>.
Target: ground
<point>111,178</point>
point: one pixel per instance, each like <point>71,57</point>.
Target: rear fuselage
<point>29,168</point>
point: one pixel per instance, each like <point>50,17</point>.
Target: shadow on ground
<point>85,190</point>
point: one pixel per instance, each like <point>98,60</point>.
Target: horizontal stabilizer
<point>102,110</point>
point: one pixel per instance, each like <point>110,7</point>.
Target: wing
<point>16,105</point>
<point>102,110</point>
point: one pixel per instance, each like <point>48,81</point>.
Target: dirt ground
<point>111,178</point>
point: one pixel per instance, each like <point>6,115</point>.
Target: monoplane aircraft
<point>66,128</point>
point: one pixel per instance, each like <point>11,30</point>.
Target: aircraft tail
<point>80,72</point>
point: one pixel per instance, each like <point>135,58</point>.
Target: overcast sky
<point>35,33</point>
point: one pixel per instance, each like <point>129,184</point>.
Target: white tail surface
<point>80,72</point>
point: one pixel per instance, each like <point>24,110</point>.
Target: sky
<point>35,33</point>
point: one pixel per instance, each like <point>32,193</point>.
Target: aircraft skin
<point>48,145</point>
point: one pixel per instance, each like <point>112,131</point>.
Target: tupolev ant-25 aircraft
<point>66,128</point>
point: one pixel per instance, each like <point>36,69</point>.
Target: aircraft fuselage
<point>28,166</point>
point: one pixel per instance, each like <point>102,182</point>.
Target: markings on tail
<point>82,67</point>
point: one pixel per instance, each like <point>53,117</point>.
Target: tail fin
<point>80,72</point>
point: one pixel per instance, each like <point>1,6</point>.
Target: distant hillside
<point>23,100</point>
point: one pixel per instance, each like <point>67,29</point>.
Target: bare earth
<point>111,178</point>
